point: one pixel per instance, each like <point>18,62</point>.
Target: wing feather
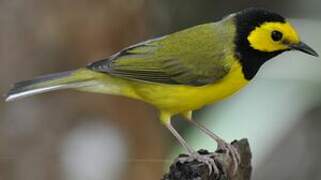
<point>191,57</point>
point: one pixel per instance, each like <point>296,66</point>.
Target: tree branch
<point>195,170</point>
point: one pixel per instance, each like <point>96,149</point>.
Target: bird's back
<point>205,51</point>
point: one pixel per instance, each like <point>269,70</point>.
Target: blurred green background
<point>79,136</point>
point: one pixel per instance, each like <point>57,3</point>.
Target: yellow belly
<point>181,98</point>
<point>173,99</point>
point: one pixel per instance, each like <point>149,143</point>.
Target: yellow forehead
<point>260,37</point>
<point>287,29</point>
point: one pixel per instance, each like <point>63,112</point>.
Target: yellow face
<point>273,36</point>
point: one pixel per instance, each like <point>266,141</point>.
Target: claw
<point>203,158</point>
<point>208,161</point>
<point>222,145</point>
<point>232,151</point>
<point>198,160</point>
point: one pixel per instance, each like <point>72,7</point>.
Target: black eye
<point>276,35</point>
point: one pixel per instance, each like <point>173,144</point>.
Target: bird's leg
<point>222,145</point>
<point>193,154</point>
<point>179,138</point>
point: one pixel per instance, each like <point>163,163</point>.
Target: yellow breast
<point>181,98</point>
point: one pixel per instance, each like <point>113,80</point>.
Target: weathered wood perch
<point>195,170</point>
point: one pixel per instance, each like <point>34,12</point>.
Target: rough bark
<point>195,170</point>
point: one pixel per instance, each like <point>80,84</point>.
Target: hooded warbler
<point>183,71</point>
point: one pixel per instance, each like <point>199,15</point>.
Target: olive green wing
<point>194,56</point>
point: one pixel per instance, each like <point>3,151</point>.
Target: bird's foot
<point>232,152</point>
<point>203,157</point>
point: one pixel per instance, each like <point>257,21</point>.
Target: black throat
<point>246,21</point>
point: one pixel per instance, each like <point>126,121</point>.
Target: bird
<point>185,70</point>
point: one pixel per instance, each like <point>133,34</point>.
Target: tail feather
<point>42,84</point>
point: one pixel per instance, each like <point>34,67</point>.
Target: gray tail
<point>42,84</point>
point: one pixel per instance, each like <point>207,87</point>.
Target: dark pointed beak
<point>304,48</point>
